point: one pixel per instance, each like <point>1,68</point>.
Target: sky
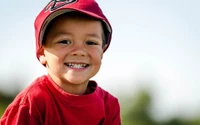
<point>155,43</point>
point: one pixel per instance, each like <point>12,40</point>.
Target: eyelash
<point>87,42</point>
<point>64,42</point>
<point>91,43</point>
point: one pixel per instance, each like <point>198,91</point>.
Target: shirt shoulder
<point>105,95</point>
<point>111,107</point>
<point>33,95</point>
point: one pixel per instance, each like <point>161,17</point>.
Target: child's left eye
<point>91,43</point>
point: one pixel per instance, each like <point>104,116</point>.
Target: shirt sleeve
<point>19,115</point>
<point>113,113</point>
<point>116,120</point>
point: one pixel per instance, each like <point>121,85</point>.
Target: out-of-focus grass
<point>5,100</point>
<point>2,109</point>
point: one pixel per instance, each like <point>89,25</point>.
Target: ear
<point>42,57</point>
<point>102,56</point>
<point>105,46</point>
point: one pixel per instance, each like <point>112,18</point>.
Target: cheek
<point>52,58</point>
<point>57,53</point>
<point>97,57</point>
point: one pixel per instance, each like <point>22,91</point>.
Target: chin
<point>76,81</point>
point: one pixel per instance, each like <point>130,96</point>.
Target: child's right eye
<point>64,42</point>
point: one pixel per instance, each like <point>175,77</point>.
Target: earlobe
<point>42,57</point>
<point>102,55</point>
<point>105,46</point>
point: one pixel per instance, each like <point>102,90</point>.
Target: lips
<point>77,65</point>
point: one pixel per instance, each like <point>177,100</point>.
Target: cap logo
<point>56,4</point>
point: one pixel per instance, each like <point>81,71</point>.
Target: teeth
<point>77,65</point>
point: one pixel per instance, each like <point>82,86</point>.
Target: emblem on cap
<point>56,4</point>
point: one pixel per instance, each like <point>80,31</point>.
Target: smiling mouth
<point>76,65</point>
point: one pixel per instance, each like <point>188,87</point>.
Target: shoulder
<point>29,103</point>
<point>32,95</point>
<point>107,96</point>
<point>111,107</point>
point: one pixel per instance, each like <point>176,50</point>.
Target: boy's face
<point>73,50</point>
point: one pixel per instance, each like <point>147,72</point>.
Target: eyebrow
<point>61,33</point>
<point>94,35</point>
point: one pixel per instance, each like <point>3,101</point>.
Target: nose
<point>78,50</point>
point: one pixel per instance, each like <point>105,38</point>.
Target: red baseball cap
<point>57,7</point>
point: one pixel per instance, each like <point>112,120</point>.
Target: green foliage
<point>138,113</point>
<point>135,111</point>
<point>5,100</point>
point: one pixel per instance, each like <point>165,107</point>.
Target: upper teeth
<point>76,65</point>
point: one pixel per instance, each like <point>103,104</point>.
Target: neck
<point>75,89</point>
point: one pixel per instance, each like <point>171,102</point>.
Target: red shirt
<point>44,103</point>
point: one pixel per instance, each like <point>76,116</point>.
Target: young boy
<point>71,37</point>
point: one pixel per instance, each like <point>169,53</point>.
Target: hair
<point>75,14</point>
